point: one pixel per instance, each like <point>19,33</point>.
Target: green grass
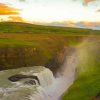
<point>10,27</point>
<point>14,43</point>
<point>86,87</point>
<point>87,84</point>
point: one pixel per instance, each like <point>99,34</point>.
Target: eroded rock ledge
<point>19,77</point>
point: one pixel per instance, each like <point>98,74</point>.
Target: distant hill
<point>18,27</point>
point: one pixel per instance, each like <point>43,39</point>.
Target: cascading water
<point>50,88</point>
<point>19,90</point>
<point>59,85</point>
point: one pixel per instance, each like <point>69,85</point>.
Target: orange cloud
<point>90,24</point>
<point>86,2</point>
<point>63,23</point>
<point>70,23</point>
<point>15,18</point>
<point>98,10</point>
<point>6,10</point>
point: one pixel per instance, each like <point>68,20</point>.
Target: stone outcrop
<point>16,57</point>
<point>19,77</point>
<point>55,63</point>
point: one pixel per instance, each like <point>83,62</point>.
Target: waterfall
<point>57,85</point>
<point>50,88</point>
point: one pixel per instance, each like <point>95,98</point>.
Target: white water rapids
<point>58,85</point>
<point>50,88</point>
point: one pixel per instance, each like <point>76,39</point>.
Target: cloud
<point>70,23</point>
<point>86,2</point>
<point>22,0</point>
<point>98,10</point>
<point>87,24</point>
<point>90,25</point>
<point>63,23</point>
<point>15,19</point>
<point>6,10</point>
<point>83,24</point>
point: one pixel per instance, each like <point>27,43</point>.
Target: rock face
<point>17,57</point>
<point>19,77</point>
<point>55,63</point>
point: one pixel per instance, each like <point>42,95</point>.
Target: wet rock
<point>30,82</point>
<point>19,77</point>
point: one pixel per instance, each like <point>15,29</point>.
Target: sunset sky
<point>50,10</point>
